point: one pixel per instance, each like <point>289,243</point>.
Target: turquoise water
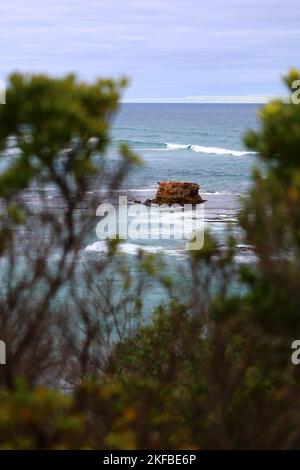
<point>200,143</point>
<point>197,143</point>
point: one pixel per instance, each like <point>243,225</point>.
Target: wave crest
<point>177,146</point>
<point>209,150</point>
<point>132,248</point>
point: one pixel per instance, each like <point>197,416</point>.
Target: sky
<point>172,50</point>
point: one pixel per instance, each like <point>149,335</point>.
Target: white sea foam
<point>219,193</point>
<point>219,151</point>
<point>140,190</point>
<point>132,248</point>
<point>209,150</point>
<point>171,146</point>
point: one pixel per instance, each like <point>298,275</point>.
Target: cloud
<point>170,48</point>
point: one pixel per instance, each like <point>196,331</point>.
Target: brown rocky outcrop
<point>176,192</point>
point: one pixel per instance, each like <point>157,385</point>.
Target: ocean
<point>198,143</point>
<point>201,143</point>
<point>193,142</point>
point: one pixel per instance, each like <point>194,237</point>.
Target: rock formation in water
<point>176,192</point>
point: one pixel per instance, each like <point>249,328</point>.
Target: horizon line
<point>258,99</point>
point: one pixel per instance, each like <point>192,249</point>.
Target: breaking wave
<point>132,248</point>
<point>209,150</point>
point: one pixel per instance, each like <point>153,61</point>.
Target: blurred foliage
<point>47,116</point>
<point>210,371</point>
